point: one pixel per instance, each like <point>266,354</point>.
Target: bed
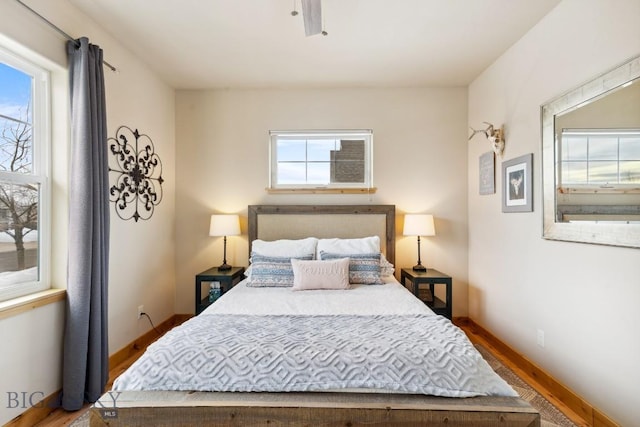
<point>365,351</point>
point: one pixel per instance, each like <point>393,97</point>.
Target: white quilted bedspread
<point>417,354</point>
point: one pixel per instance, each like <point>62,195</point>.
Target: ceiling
<point>197,44</point>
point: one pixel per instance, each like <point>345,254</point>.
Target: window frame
<point>588,187</point>
<point>364,134</point>
<point>41,173</point>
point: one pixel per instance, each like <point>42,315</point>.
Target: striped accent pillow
<point>363,268</point>
<point>271,271</point>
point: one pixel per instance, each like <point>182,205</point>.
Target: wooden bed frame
<point>270,222</point>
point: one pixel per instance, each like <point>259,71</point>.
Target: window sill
<point>599,190</point>
<point>19,305</point>
<point>321,190</point>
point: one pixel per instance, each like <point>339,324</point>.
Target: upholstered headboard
<point>273,222</point>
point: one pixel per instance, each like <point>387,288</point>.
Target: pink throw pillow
<point>332,274</point>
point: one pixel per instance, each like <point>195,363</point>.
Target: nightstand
<point>227,279</point>
<point>430,277</point>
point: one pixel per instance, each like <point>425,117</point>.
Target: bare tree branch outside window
<point>18,201</point>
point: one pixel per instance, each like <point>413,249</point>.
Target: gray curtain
<point>86,353</point>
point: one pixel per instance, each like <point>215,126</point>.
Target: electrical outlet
<point>140,311</point>
<point>540,338</point>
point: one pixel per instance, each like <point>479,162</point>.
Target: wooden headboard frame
<point>314,227</point>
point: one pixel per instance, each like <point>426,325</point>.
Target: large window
<point>600,157</point>
<point>321,159</point>
<point>24,171</point>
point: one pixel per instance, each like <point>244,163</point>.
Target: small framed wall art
<point>517,183</point>
<point>487,174</point>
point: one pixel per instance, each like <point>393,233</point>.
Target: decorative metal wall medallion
<point>138,187</point>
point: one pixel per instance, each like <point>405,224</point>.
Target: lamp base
<point>224,267</point>
<point>419,267</point>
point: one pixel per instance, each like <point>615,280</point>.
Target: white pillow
<point>309,275</point>
<point>365,245</point>
<point>386,268</point>
<point>285,248</point>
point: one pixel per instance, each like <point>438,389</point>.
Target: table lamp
<point>224,225</point>
<point>419,225</point>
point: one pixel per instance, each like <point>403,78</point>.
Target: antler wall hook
<point>493,134</point>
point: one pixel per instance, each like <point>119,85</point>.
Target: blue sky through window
<point>15,93</point>
<point>15,110</point>
<point>305,161</point>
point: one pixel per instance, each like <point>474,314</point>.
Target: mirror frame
<point>627,235</point>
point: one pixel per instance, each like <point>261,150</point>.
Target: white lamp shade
<point>419,225</point>
<point>224,225</point>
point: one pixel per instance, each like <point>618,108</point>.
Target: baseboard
<point>143,341</point>
<point>46,406</point>
<point>37,413</point>
<point>573,401</point>
<point>460,321</point>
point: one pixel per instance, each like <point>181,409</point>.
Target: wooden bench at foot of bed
<point>167,408</point>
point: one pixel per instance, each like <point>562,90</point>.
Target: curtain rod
<point>65,35</point>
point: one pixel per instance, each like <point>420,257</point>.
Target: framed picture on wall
<point>517,183</point>
<point>487,178</point>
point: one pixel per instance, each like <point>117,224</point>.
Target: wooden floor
<point>59,417</point>
<point>478,339</point>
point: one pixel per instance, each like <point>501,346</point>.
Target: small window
<point>321,159</point>
<point>600,157</point>
<point>24,186</point>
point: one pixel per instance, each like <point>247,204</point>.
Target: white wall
<point>584,297</point>
<point>222,160</point>
<point>142,254</point>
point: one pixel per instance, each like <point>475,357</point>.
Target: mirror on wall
<point>591,160</point>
